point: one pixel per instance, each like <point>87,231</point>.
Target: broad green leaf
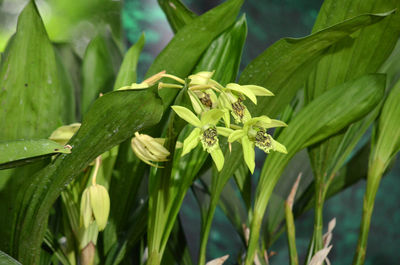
<point>284,67</point>
<point>21,152</point>
<point>128,71</point>
<point>30,90</point>
<point>185,49</point>
<point>108,122</point>
<point>363,53</point>
<point>32,103</point>
<point>312,124</point>
<point>7,260</point>
<point>177,13</point>
<point>349,59</point>
<point>229,45</point>
<point>100,65</point>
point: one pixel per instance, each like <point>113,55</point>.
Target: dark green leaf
<point>219,56</point>
<point>31,104</point>
<point>18,153</point>
<point>30,90</point>
<point>284,67</point>
<point>108,122</point>
<point>177,13</point>
<point>100,65</point>
<point>349,59</point>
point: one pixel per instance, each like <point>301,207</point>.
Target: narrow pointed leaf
<point>177,13</point>
<point>127,73</point>
<point>100,64</point>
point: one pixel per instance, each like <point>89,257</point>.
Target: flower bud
<point>100,204</point>
<point>86,209</point>
<point>95,205</point>
<point>64,133</point>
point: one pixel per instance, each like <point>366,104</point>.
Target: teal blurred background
<point>79,21</point>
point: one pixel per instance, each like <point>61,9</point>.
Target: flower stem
<point>96,169</point>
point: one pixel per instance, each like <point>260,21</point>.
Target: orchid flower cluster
<point>213,106</point>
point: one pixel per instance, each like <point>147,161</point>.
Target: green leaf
<point>67,90</point>
<point>32,103</point>
<point>100,65</point>
<point>21,152</point>
<point>387,138</point>
<point>185,49</point>
<point>108,122</point>
<point>70,66</point>
<point>312,124</point>
<point>284,66</point>
<point>349,59</point>
<point>30,89</point>
<point>177,13</point>
<point>128,71</point>
<point>229,45</point>
<point>7,260</point>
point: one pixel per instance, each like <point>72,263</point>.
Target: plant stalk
<point>205,231</point>
<point>368,205</point>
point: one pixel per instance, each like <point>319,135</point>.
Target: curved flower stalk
<point>205,132</point>
<point>254,133</point>
<point>146,83</point>
<point>149,149</point>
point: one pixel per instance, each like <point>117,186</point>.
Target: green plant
<point>142,145</point>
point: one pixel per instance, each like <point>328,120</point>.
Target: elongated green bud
<point>86,209</point>
<point>100,203</point>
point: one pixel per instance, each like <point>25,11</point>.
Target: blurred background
<point>77,22</point>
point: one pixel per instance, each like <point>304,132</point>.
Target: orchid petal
<point>187,115</point>
<point>191,141</point>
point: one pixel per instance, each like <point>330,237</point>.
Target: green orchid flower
<point>254,133</point>
<point>233,95</point>
<point>205,132</point>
